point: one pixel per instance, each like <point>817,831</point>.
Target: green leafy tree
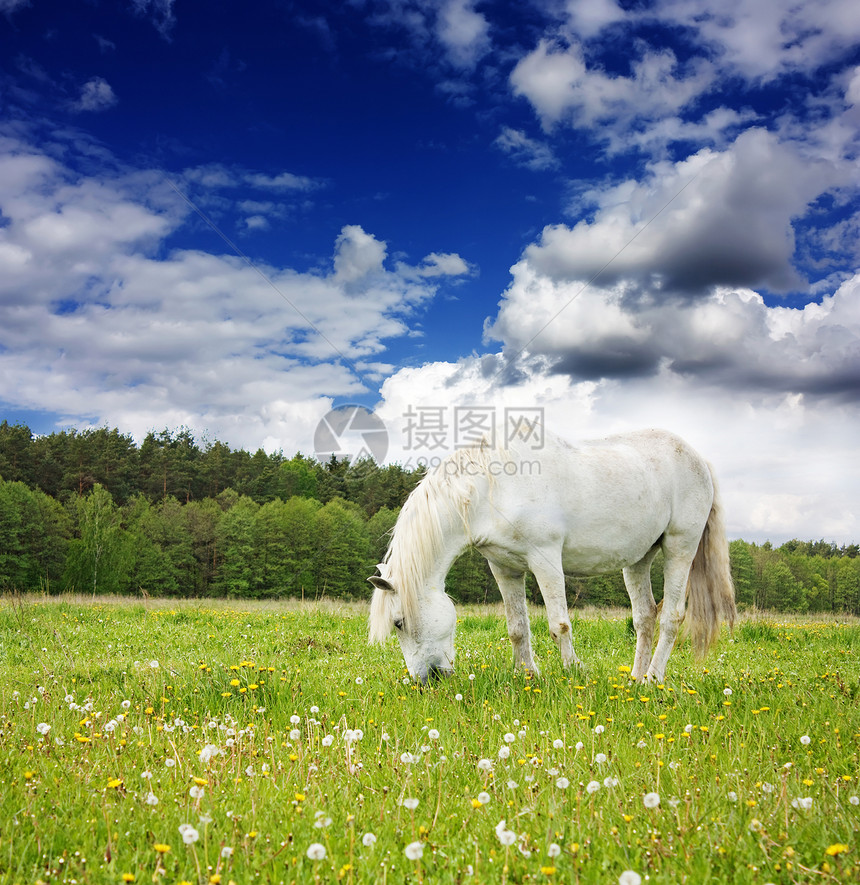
<point>299,477</point>
<point>237,540</point>
<point>342,551</point>
<point>379,528</point>
<point>100,557</point>
<point>164,560</point>
<point>16,454</point>
<point>202,521</point>
<point>743,572</point>
<point>33,537</point>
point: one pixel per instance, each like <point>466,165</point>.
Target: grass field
<point>211,743</point>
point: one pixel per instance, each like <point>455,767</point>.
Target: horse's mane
<point>446,493</point>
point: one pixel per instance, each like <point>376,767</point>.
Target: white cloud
<point>438,264</point>
<point>561,86</point>
<point>589,17</point>
<point>765,39</point>
<point>284,181</point>
<point>96,325</point>
<point>463,32</point>
<point>526,151</point>
<point>717,218</point>
<point>96,95</point>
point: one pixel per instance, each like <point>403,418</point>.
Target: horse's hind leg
<point>676,571</point>
<point>512,585</point>
<point>550,577</point>
<point>637,579</point>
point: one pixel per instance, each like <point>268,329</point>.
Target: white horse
<point>584,509</point>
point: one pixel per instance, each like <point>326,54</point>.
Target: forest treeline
<point>93,512</point>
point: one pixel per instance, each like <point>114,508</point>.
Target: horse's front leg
<point>512,585</point>
<point>546,567</point>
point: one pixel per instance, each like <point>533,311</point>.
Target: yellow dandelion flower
<point>836,848</point>
<point>201,781</point>
<point>548,871</point>
<point>128,877</point>
<point>114,782</point>
<point>161,848</point>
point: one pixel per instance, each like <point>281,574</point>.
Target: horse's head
<point>424,629</point>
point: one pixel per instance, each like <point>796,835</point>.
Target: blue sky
<point>623,212</point>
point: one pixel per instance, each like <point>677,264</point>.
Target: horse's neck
<point>455,539</point>
<point>433,564</point>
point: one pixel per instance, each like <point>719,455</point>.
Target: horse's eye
<point>398,624</point>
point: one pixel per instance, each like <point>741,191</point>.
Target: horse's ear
<point>381,584</point>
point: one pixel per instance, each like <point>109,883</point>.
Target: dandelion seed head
<point>414,850</point>
<point>316,851</point>
<point>651,800</point>
<point>189,833</point>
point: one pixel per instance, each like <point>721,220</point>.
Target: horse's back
<point>607,501</point>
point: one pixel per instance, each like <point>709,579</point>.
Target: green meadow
<point>217,743</point>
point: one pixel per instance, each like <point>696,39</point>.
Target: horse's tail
<point>710,589</point>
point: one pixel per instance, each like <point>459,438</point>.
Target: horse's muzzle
<point>435,673</point>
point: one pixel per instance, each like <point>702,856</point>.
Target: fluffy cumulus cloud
<point>682,56</point>
<point>765,39</point>
<point>714,218</point>
<point>561,86</point>
<point>96,324</point>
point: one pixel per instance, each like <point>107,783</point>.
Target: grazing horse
<point>584,509</point>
